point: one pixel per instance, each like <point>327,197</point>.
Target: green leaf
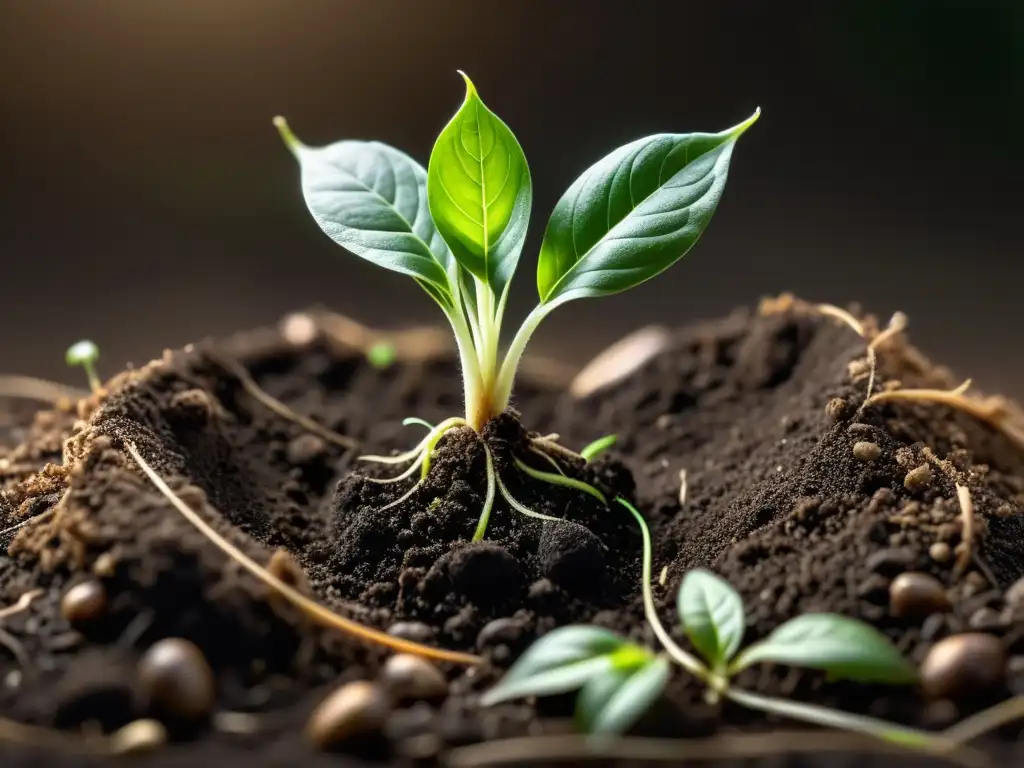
<point>562,660</point>
<point>478,185</point>
<point>613,702</point>
<point>712,614</point>
<point>843,647</point>
<point>372,200</point>
<point>634,213</point>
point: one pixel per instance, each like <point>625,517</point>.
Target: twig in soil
<point>30,388</point>
<point>731,746</point>
<point>312,609</point>
<point>282,410</point>
<point>137,736</point>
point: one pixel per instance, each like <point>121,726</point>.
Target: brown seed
<point>177,678</point>
<point>355,709</point>
<point>866,451</point>
<point>84,602</point>
<point>940,552</point>
<point>408,677</point>
<point>917,594</point>
<point>963,666</point>
<point>918,478</point>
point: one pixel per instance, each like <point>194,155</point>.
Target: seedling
<point>599,446</point>
<point>618,680</point>
<point>458,227</point>
<point>85,354</point>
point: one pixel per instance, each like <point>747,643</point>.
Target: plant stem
<point>688,662</point>
<point>485,514</point>
<point>811,713</point>
<point>475,402</point>
<point>507,374</point>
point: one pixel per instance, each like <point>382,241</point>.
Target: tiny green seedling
<point>381,355</point>
<point>618,680</point>
<point>599,446</point>
<point>85,354</point>
<point>458,227</point>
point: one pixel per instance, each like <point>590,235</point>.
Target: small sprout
<point>382,355</point>
<point>599,446</point>
<point>85,353</point>
<point>618,680</point>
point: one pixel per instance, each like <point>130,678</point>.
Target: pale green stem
<point>95,383</point>
<point>810,713</point>
<point>399,478</point>
<point>565,482</point>
<point>444,426</point>
<point>688,662</point>
<point>405,496</point>
<point>507,375</point>
<point>489,335</point>
<point>485,513</point>
<point>475,400</point>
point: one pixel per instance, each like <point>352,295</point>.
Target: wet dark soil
<point>760,409</point>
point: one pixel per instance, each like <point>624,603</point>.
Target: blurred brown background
<point>147,201</point>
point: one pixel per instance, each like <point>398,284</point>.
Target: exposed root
<point>986,721</point>
<point>550,443</point>
<point>965,552</point>
<point>282,410</point>
<point>423,448</point>
<point>518,506</point>
<point>995,411</point>
<point>963,558</point>
<point>405,496</point>
<point>682,487</point>
<point>485,513</point>
<point>31,388</point>
<point>548,458</point>
<point>571,748</point>
<point>316,612</point>
<point>565,482</point>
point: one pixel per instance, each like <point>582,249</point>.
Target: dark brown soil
<point>760,409</point>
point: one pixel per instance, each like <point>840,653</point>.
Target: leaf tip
<point>470,88</point>
<point>740,129</point>
<point>287,136</point>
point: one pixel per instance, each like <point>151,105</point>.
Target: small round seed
<point>917,594</point>
<point>918,478</point>
<point>355,709</point>
<point>177,679</point>
<point>940,552</point>
<point>963,665</point>
<point>864,450</point>
<point>408,677</point>
<point>84,602</point>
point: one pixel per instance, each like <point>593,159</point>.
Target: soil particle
<point>777,502</point>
